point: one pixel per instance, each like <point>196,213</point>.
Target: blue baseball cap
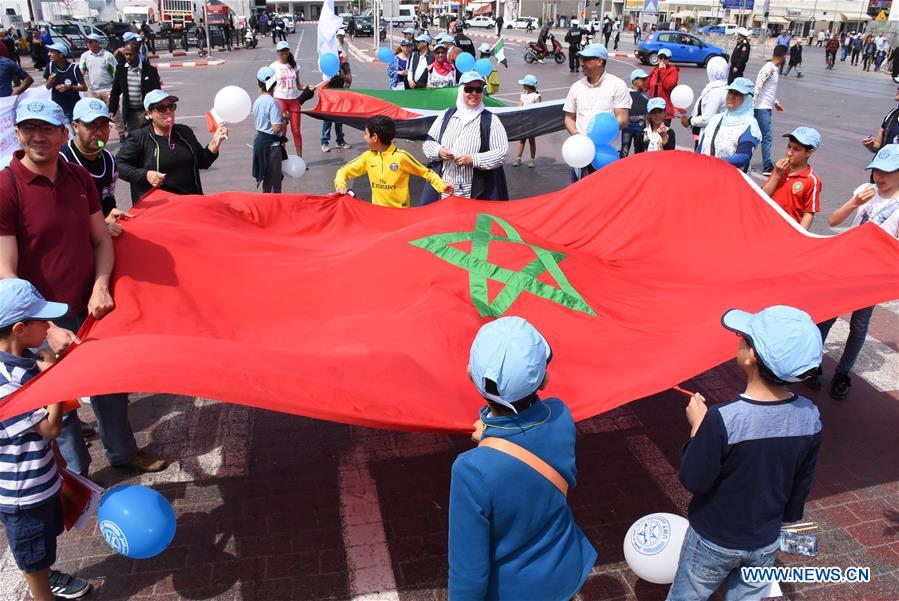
<point>41,110</point>
<point>529,80</point>
<point>639,74</point>
<point>664,52</point>
<point>267,76</point>
<point>61,48</point>
<point>20,301</point>
<point>94,37</point>
<point>155,97</point>
<point>282,45</point>
<point>655,103</point>
<point>470,76</point>
<point>130,36</point>
<point>785,339</point>
<point>423,38</point>
<point>806,136</point>
<point>410,30</point>
<point>594,51</point>
<point>513,354</point>
<point>886,159</point>
<point>743,86</point>
<point>88,110</point>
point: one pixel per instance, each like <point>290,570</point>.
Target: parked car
<point>684,47</point>
<point>289,24</point>
<point>482,21</point>
<point>721,29</point>
<point>522,23</point>
<point>73,34</point>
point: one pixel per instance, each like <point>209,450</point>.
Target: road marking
<point>299,41</point>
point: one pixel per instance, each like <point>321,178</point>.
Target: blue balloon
<point>605,155</point>
<point>465,62</point>
<point>385,55</point>
<point>484,67</point>
<point>329,64</point>
<point>603,128</point>
<point>136,521</point>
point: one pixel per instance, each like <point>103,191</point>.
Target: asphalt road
<point>844,105</point>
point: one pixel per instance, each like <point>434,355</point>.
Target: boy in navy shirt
<point>64,79</point>
<point>30,509</point>
<point>749,462</point>
<point>511,532</point>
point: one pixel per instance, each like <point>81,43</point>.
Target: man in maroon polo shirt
<point>52,232</point>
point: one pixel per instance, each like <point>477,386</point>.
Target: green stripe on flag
<point>434,100</point>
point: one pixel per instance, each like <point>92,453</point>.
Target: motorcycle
<point>535,51</point>
<point>249,39</point>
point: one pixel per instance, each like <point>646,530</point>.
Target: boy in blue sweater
<point>511,532</point>
<point>749,462</point>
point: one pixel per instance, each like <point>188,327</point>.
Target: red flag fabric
<point>333,308</point>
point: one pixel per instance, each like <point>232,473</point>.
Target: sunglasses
<point>474,90</point>
<point>164,108</point>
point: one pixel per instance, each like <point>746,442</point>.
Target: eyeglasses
<point>474,90</point>
<point>29,129</point>
<point>164,108</point>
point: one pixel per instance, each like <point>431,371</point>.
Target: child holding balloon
<point>30,507</point>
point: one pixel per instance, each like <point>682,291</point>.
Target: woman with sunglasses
<point>467,144</point>
<point>165,154</point>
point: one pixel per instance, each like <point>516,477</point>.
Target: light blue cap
<point>42,110</point>
<point>485,48</point>
<point>886,159</point>
<point>529,80</point>
<point>785,339</point>
<point>743,86</point>
<point>470,76</point>
<point>130,36</point>
<point>267,76</point>
<point>594,51</point>
<point>440,45</point>
<point>410,30</point>
<point>61,48</point>
<point>639,74</point>
<point>806,136</point>
<point>95,37</point>
<point>282,45</point>
<point>20,301</point>
<point>665,52</point>
<point>423,38</point>
<point>88,110</point>
<point>512,353</point>
<point>406,42</point>
<point>155,97</point>
<point>655,103</point>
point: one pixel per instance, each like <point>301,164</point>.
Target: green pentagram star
<point>480,269</point>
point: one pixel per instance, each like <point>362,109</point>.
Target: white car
<point>482,21</point>
<point>289,24</point>
<point>522,23</point>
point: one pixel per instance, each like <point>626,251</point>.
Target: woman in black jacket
<point>163,154</point>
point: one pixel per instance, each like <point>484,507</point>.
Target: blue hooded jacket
<point>511,531</point>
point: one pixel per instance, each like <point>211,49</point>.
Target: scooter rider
<point>541,38</point>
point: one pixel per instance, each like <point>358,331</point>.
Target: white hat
<point>743,32</point>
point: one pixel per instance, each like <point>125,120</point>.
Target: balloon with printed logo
<point>136,521</point>
<point>652,546</point>
<point>578,151</point>
<point>465,62</point>
<point>294,166</point>
<point>605,154</point>
<point>483,66</point>
<point>385,55</point>
<point>681,96</point>
<point>233,104</point>
<point>603,128</point>
<point>329,64</point>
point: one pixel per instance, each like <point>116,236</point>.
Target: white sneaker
<point>532,164</point>
<point>516,162</point>
<point>344,146</point>
<point>326,148</point>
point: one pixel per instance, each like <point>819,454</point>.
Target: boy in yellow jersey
<point>387,166</point>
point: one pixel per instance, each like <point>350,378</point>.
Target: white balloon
<point>578,151</point>
<point>682,96</point>
<point>293,166</point>
<point>652,546</point>
<point>233,104</point>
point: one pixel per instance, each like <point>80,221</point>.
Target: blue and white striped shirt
<point>28,474</point>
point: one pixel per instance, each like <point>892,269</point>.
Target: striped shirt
<point>28,473</point>
<point>465,139</point>
<point>135,99</point>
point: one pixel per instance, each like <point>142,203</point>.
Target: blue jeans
<point>113,425</point>
<point>326,132</point>
<point>703,566</point>
<point>845,52</point>
<point>858,328</point>
<point>763,116</point>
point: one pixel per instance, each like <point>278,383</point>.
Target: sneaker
<point>839,387</point>
<point>326,148</point>
<point>532,164</point>
<point>516,162</point>
<point>344,146</point>
<point>767,171</point>
<point>66,586</point>
<point>145,462</point>
<point>815,382</point>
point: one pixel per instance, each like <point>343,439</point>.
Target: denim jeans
<point>763,116</point>
<point>844,53</point>
<point>703,566</point>
<point>858,328</point>
<point>115,430</point>
<point>326,132</point>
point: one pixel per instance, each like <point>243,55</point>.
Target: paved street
<point>276,507</point>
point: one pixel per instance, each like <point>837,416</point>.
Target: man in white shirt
<point>766,102</point>
<point>98,67</point>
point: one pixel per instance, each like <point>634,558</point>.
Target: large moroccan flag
<point>333,308</point>
<point>415,110</point>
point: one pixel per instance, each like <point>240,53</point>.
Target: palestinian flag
<point>415,110</point>
<point>499,51</point>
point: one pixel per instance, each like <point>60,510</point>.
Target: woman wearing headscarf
<point>442,74</point>
<point>468,144</point>
<point>164,154</point>
<point>711,99</point>
<point>733,134</point>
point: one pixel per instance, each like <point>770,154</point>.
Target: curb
<point>200,63</point>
